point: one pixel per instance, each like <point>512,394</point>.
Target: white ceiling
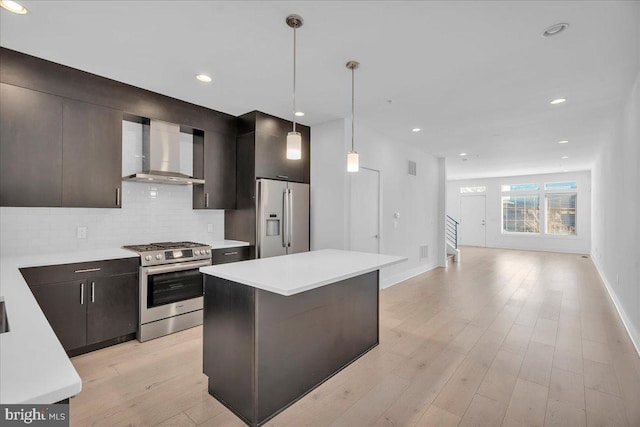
<point>475,76</point>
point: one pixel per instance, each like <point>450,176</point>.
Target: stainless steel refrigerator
<point>282,218</point>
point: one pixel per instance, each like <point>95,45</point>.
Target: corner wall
<point>616,214</point>
<point>418,199</point>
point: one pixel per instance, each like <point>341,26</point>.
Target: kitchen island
<point>276,328</point>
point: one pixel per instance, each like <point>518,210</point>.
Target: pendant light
<point>294,139</point>
<point>352,156</point>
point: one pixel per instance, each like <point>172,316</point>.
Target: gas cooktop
<point>170,252</point>
<point>164,246</point>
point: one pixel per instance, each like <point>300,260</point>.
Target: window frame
<point>573,191</point>
<point>526,193</point>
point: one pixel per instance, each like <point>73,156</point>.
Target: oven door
<point>170,290</point>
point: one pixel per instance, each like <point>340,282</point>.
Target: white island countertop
<point>291,274</point>
<point>34,367</point>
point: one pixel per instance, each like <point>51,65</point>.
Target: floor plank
<point>511,337</point>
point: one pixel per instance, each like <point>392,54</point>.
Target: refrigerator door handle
<point>290,217</point>
<point>259,217</point>
<point>285,219</point>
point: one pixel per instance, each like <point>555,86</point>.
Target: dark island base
<point>264,351</point>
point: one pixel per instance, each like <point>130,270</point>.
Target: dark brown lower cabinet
<point>64,305</point>
<point>90,312</point>
<point>112,309</point>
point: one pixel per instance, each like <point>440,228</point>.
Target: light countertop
<point>33,365</point>
<point>223,244</point>
<point>291,274</point>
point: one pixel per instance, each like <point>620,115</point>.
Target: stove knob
<point>148,257</point>
<point>196,252</point>
<point>208,251</point>
<point>159,256</point>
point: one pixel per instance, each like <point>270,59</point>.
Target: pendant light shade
<point>294,139</point>
<point>353,159</point>
<point>294,146</point>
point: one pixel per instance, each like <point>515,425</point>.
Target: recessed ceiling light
<point>564,141</point>
<point>299,113</point>
<point>564,157</point>
<point>463,154</point>
<point>558,101</point>
<point>416,129</point>
<point>13,6</point>
<point>203,78</point>
<point>555,29</point>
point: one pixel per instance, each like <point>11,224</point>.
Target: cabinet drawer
<point>222,256</point>
<point>79,271</point>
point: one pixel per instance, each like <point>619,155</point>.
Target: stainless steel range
<point>170,286</point>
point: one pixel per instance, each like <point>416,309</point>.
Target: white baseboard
<point>524,248</point>
<point>401,277</point>
<point>626,321</point>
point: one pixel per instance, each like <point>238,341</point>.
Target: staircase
<point>451,233</point>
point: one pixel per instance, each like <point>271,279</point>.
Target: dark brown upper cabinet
<point>57,151</point>
<point>30,147</point>
<point>268,134</point>
<point>214,160</point>
<point>91,155</point>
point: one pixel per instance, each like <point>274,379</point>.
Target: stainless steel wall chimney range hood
<point>161,156</point>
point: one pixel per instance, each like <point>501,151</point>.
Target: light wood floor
<point>506,337</point>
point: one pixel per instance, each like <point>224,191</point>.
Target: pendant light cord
<point>294,77</point>
<point>353,103</point>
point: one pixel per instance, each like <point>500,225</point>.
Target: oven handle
<point>176,267</point>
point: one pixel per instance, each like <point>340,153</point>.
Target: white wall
<point>149,213</point>
<point>616,214</point>
<point>540,242</point>
<point>416,198</point>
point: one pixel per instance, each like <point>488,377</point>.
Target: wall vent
<point>413,168</point>
<point>424,251</point>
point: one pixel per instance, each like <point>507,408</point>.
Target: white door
<point>472,221</point>
<point>365,211</point>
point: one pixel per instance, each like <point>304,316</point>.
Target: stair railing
<point>452,231</point>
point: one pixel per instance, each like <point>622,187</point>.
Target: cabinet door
<point>219,172</point>
<point>92,155</point>
<point>30,147</point>
<point>64,306</point>
<point>272,162</point>
<point>112,307</point>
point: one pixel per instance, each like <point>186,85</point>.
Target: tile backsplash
<point>149,213</point>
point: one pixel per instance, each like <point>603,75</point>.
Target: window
<point>521,214</point>
<point>569,185</point>
<point>521,187</point>
<point>479,189</point>
<point>561,213</point>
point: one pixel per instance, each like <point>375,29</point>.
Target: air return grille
<point>412,168</point>
<point>424,251</point>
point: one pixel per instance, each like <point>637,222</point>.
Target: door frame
<point>464,196</point>
<point>348,220</point>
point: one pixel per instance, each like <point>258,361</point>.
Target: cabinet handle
<point>282,176</point>
<point>93,295</point>
<point>118,196</point>
<point>230,253</point>
<point>87,270</point>
<point>206,200</point>
<point>81,293</point>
